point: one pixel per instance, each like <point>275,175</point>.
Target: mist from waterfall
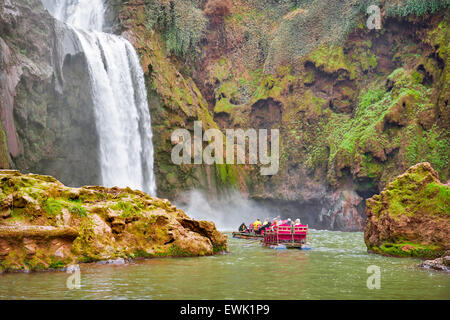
<point>228,212</point>
<point>120,99</point>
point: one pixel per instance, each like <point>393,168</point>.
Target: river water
<point>335,268</point>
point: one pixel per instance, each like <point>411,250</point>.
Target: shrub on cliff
<point>181,23</point>
<point>403,8</point>
<point>307,28</point>
<point>415,7</point>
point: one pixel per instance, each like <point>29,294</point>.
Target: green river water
<point>335,268</point>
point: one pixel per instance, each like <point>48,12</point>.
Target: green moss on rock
<point>411,216</point>
<point>4,154</point>
<point>331,59</point>
<point>46,225</point>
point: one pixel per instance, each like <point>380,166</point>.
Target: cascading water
<point>119,95</point>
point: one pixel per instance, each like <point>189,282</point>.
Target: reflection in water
<point>335,268</point>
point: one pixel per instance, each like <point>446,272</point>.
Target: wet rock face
<point>266,114</point>
<point>355,107</point>
<point>44,224</point>
<point>207,229</point>
<point>339,210</point>
<point>410,217</point>
<point>344,212</point>
<point>45,103</point>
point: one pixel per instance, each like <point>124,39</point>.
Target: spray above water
<point>120,99</point>
<point>228,212</point>
<point>81,14</point>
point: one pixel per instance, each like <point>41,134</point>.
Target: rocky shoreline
<point>46,225</point>
<point>439,264</point>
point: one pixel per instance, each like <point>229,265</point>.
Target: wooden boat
<point>279,237</point>
<point>286,237</point>
<point>248,235</point>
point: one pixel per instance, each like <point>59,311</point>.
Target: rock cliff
<point>44,224</point>
<point>45,102</point>
<point>355,107</point>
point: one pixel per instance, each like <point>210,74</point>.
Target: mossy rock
<point>46,225</point>
<point>411,216</point>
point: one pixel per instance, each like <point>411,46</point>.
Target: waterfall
<point>120,99</point>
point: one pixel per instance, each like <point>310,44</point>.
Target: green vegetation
<point>4,154</point>
<point>181,24</point>
<point>377,122</point>
<point>218,249</point>
<point>53,206</point>
<point>176,251</point>
<point>432,146</point>
<point>439,196</point>
<point>415,7</point>
<point>411,193</point>
<point>439,37</point>
<point>227,174</point>
<point>57,264</point>
<point>128,209</point>
<point>272,86</point>
<point>356,119</point>
<point>405,8</point>
<point>373,168</point>
<point>82,245</point>
<point>331,59</point>
<point>79,210</point>
<point>408,249</point>
<point>226,97</point>
<point>142,254</point>
<point>409,218</point>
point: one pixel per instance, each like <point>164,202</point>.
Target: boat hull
<point>246,235</point>
<point>286,246</point>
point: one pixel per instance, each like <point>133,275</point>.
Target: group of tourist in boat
<point>259,227</point>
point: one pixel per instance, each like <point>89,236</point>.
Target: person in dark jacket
<point>242,227</point>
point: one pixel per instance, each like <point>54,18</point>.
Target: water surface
<point>335,268</point>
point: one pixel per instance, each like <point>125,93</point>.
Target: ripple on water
<point>335,268</point>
